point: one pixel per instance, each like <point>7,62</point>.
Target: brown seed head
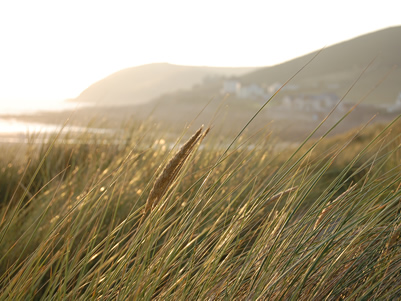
<point>171,170</point>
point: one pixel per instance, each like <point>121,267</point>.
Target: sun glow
<point>53,50</point>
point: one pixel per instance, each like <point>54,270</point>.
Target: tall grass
<point>248,223</point>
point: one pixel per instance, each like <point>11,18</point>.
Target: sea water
<point>11,125</point>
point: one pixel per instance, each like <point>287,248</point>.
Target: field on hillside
<point>194,217</point>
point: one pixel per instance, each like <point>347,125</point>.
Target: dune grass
<point>148,219</point>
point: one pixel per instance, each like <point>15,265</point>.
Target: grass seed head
<point>169,173</point>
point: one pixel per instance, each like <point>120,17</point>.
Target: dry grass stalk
<point>280,194</point>
<point>394,239</point>
<point>327,209</point>
<point>169,173</point>
<point>273,198</point>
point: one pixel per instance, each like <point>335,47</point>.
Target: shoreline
<point>289,125</point>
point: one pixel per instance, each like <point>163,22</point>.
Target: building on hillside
<point>231,86</point>
<point>396,106</point>
<point>252,91</point>
<point>274,87</point>
<point>311,102</point>
<point>290,87</point>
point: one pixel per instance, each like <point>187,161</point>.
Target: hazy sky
<point>52,50</point>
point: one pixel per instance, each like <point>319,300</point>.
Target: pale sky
<point>53,50</point>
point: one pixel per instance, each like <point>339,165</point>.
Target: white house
<point>231,86</point>
<point>310,102</point>
<point>274,87</point>
<point>396,106</point>
<point>251,91</point>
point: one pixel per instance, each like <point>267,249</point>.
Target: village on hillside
<point>293,97</point>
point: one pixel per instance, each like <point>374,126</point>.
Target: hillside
<point>337,66</point>
<point>140,84</point>
<point>331,72</point>
<point>161,91</point>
